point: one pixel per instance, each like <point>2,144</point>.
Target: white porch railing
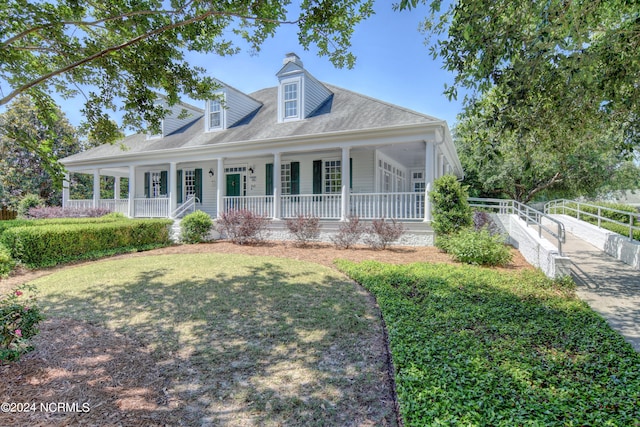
<point>115,205</point>
<point>326,206</point>
<point>151,208</point>
<point>260,205</point>
<point>79,204</point>
<point>387,205</point>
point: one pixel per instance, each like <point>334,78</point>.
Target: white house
<point>301,147</point>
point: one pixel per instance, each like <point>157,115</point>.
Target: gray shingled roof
<point>344,111</point>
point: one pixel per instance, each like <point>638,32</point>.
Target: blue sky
<point>393,65</point>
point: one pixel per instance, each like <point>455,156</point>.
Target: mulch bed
<point>107,379</point>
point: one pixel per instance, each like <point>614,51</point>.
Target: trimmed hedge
<point>6,262</point>
<point>51,244</point>
<point>5,225</point>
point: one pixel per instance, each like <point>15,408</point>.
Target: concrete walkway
<point>609,286</point>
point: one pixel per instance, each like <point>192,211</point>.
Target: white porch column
<point>429,177</point>
<point>116,187</point>
<point>65,189</point>
<point>132,191</point>
<point>345,173</point>
<point>96,187</point>
<point>220,188</point>
<point>440,168</point>
<point>277,185</point>
<point>172,188</point>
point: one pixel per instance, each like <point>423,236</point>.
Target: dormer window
<point>291,100</point>
<point>215,115</point>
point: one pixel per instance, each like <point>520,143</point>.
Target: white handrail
<point>531,215</point>
<point>190,203</point>
<point>568,205</point>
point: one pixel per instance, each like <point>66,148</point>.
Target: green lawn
<point>473,347</point>
<point>242,340</point>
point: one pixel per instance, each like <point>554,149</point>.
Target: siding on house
<point>238,106</point>
<point>172,122</point>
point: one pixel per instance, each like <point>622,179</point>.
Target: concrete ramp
<point>609,286</point>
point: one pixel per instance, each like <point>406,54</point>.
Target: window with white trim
<point>156,178</point>
<point>285,178</point>
<point>291,99</point>
<point>189,183</point>
<point>392,178</point>
<point>215,114</point>
<point>332,176</point>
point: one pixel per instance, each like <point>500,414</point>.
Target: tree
<point>128,51</point>
<point>549,159</point>
<point>576,59</point>
<point>22,170</point>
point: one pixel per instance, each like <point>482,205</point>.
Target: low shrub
<point>44,212</point>
<point>112,217</point>
<point>476,247</point>
<point>54,243</point>
<point>6,262</point>
<point>196,226</point>
<point>381,233</point>
<point>242,226</point>
<point>304,228</point>
<point>19,318</point>
<point>27,203</point>
<point>349,233</point>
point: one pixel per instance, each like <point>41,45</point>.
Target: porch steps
<point>175,232</point>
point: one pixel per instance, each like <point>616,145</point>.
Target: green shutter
<point>163,182</point>
<point>198,176</point>
<point>295,177</point>
<point>317,177</point>
<point>147,185</point>
<point>350,173</point>
<point>179,185</point>
<point>269,179</point>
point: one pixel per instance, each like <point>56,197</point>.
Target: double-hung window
<point>332,176</point>
<point>189,183</point>
<point>156,179</point>
<point>215,114</point>
<point>291,100</point>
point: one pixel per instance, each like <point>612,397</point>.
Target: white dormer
<point>229,108</point>
<point>299,93</point>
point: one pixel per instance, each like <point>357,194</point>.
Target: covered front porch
<point>401,206</point>
<point>390,180</point>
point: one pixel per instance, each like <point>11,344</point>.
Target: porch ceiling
<point>411,155</point>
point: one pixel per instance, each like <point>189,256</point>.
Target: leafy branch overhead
<point>126,51</point>
<point>579,59</point>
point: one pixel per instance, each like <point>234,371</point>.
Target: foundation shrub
<point>54,243</point>
<point>381,233</point>
<point>451,210</point>
<point>242,226</point>
<point>45,212</point>
<point>477,247</point>
<point>196,227</point>
<point>304,228</point>
<point>349,233</point>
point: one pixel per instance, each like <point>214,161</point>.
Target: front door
<point>233,184</point>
